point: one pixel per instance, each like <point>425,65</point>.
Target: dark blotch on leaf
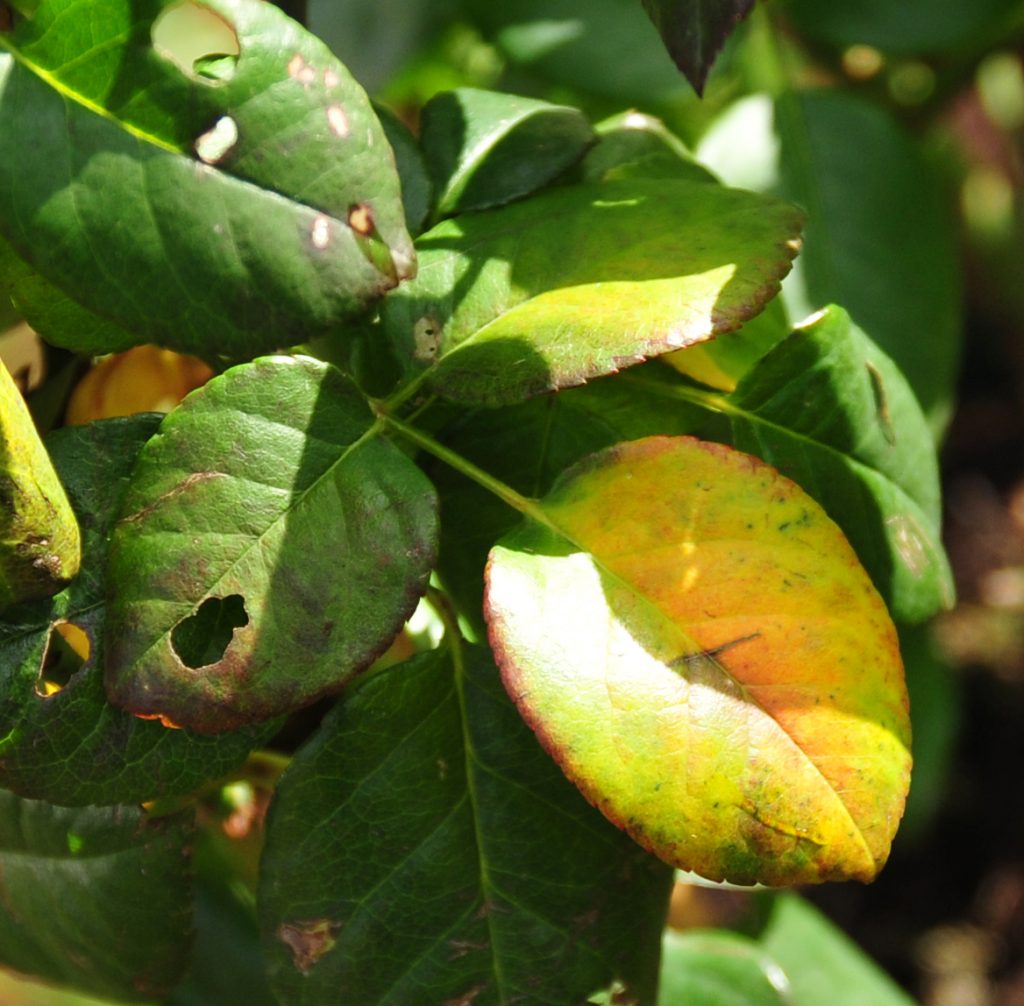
<point>203,637</point>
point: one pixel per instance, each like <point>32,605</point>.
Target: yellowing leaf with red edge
<point>697,645</point>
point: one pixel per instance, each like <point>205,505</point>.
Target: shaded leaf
<point>40,545</point>
<point>417,188</point>
<point>583,281</point>
<point>423,848</point>
<point>574,46</point>
<point>636,145</point>
<point>880,239</point>
<point>485,148</point>
<point>695,30</point>
<point>226,206</point>
<point>268,492</point>
<point>697,645</point>
<point>73,747</point>
<point>911,26</point>
<point>830,410</point>
<point>96,898</point>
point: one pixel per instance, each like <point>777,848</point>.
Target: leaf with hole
<point>223,206</point>
<point>60,739</point>
<point>696,644</point>
<point>422,848</point>
<point>98,898</point>
<point>485,148</point>
<point>270,546</point>
<point>40,545</point>
<point>582,281</point>
<point>695,30</point>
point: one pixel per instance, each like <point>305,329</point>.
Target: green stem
<point>507,494</point>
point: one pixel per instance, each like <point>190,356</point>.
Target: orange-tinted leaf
<point>697,645</point>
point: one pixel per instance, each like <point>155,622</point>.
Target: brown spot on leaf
<point>183,486</point>
<point>165,721</point>
<point>467,998</point>
<point>298,70</point>
<point>308,941</point>
<point>320,231</point>
<point>460,948</point>
<point>360,219</point>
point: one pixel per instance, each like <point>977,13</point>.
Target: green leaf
<point>580,282</point>
<point>718,969</point>
<point>831,411</point>
<point>880,239</point>
<point>636,145</point>
<point>695,30</point>
<point>573,46</point>
<point>721,363</point>
<point>417,188</point>
<point>73,747</point>
<point>911,26</point>
<point>821,964</point>
<point>423,849</point>
<point>485,148</point>
<point>696,644</point>
<point>223,207</point>
<point>268,505</point>
<point>40,545</point>
<point>96,898</point>
<point>527,446</point>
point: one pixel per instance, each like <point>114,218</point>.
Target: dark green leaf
<point>910,26</point>
<point>96,898</point>
<point>820,963</point>
<point>417,189</point>
<point>227,206</point>
<point>485,148</point>
<point>53,314</point>
<point>635,145</point>
<point>272,485</point>
<point>583,281</point>
<point>718,969</point>
<point>829,409</point>
<point>424,849</point>
<point>73,747</point>
<point>880,239</point>
<point>695,30</point>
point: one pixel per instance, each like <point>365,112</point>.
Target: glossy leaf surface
<point>696,644</point>
<point>424,849</point>
<point>268,517</point>
<point>485,148</point>
<point>695,30</point>
<point>73,747</point>
<point>830,410</point>
<point>97,898</point>
<point>40,545</point>
<point>580,282</point>
<point>226,212</point>
<point>879,239</point>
